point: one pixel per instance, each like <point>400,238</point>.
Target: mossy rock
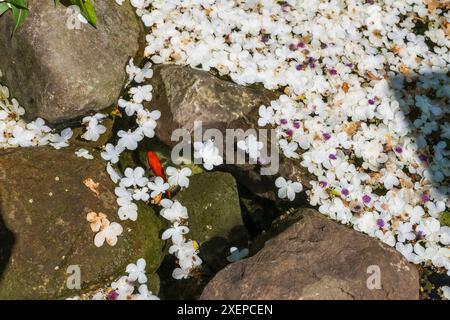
<point>215,220</point>
<point>445,218</point>
<point>43,229</point>
<point>213,206</point>
<point>153,283</point>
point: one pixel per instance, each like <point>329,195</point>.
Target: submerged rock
<point>314,259</point>
<point>184,95</point>
<point>43,229</point>
<point>77,138</point>
<point>138,157</point>
<point>59,73</point>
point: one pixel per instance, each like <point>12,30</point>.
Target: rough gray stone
<point>57,73</point>
<point>185,95</point>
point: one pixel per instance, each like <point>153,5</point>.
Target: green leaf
<point>87,9</point>
<point>18,3</point>
<point>19,16</point>
<point>3,8</point>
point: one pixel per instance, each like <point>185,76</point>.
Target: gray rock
<point>184,95</point>
<point>43,227</point>
<point>317,259</point>
<point>57,73</point>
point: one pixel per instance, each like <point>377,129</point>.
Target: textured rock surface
<point>445,218</point>
<point>317,258</point>
<point>214,212</point>
<point>215,222</point>
<point>184,95</point>
<point>43,227</point>
<point>59,73</point>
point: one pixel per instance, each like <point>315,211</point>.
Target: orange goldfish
<point>157,168</point>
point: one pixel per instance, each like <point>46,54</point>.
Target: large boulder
<point>43,229</point>
<point>314,259</point>
<point>59,73</point>
<point>185,95</point>
<point>214,211</point>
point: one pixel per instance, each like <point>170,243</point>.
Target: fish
<point>155,165</point>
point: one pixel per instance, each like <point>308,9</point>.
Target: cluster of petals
<point>346,69</point>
